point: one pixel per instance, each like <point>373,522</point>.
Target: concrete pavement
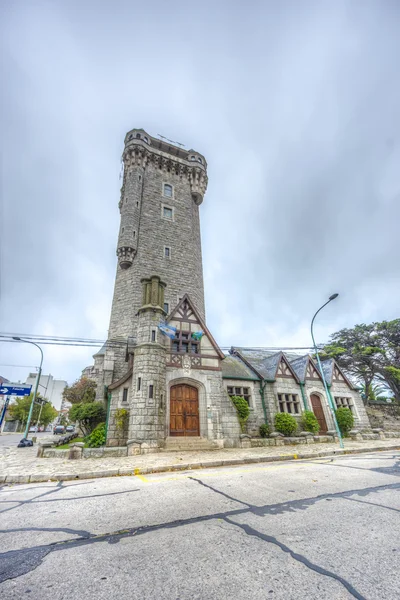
<point>20,465</point>
<point>320,529</point>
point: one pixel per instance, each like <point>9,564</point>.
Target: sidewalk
<point>20,465</point>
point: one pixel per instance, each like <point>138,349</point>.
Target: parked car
<point>32,429</point>
<point>70,428</point>
<point>58,430</point>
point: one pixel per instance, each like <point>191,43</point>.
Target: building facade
<point>163,375</point>
<point>49,388</point>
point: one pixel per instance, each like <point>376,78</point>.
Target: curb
<point>134,471</point>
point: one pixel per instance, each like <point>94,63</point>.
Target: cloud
<point>296,108</point>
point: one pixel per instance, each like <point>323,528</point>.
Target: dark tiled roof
<point>233,367</point>
<point>299,366</point>
<point>264,361</point>
<point>327,367</point>
<point>102,350</point>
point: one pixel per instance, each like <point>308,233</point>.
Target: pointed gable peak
<point>284,368</point>
<point>187,312</point>
<point>311,370</point>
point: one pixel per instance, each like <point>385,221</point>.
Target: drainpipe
<point>108,411</point>
<point>303,394</point>
<point>262,390</point>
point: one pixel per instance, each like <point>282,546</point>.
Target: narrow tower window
<point>167,190</point>
<point>137,202</point>
<point>151,391</point>
<point>167,252</point>
<point>139,383</point>
<point>125,395</point>
<point>166,307</point>
<point>168,213</point>
<point>140,178</point>
<point>153,335</point>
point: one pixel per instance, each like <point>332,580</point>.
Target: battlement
<point>138,138</point>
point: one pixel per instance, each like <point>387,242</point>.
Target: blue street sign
<point>13,389</point>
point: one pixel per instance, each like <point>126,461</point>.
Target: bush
<point>285,423</point>
<point>309,422</point>
<point>345,420</point>
<point>243,410</point>
<point>265,430</point>
<point>88,415</point>
<point>98,436</point>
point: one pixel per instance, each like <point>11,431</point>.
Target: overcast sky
<point>296,106</point>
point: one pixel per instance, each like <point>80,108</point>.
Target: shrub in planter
<point>265,430</point>
<point>243,410</point>
<point>309,422</point>
<point>345,420</point>
<point>285,423</point>
<point>98,436</point>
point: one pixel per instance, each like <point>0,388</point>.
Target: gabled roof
<point>328,367</point>
<point>180,306</point>
<point>264,362</point>
<point>302,365</point>
<point>234,368</point>
<point>299,366</point>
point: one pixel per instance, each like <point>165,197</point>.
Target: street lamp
<point>333,297</point>
<point>18,339</point>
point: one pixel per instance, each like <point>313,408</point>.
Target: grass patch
<point>66,446</point>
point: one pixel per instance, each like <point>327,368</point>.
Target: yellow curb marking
<point>137,474</point>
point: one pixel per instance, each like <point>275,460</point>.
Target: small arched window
<point>146,140</point>
<point>138,136</point>
<point>199,160</point>
<point>192,158</point>
<point>167,190</point>
<point>130,137</point>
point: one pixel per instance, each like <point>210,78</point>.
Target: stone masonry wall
<point>182,272</point>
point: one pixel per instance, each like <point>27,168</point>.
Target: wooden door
<point>184,411</point>
<point>319,413</point>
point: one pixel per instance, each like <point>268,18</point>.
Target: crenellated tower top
<point>142,149</point>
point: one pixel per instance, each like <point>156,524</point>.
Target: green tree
<point>369,353</point>
<point>356,351</point>
<point>388,363</point>
<point>83,390</point>
<point>19,410</point>
<point>88,415</point>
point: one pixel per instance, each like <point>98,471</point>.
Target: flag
<point>167,330</point>
<point>197,335</point>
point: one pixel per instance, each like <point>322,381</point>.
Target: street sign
<point>14,389</point>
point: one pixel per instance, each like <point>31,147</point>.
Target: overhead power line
<point>95,343</point>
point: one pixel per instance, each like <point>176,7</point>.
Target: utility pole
<point>18,339</point>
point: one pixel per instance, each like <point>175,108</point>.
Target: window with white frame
<point>168,190</point>
<point>289,403</point>
<point>344,402</point>
<point>167,212</point>
<point>244,392</point>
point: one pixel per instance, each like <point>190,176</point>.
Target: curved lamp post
<point>18,339</point>
<point>328,395</point>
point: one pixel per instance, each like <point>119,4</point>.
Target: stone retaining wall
<point>246,441</point>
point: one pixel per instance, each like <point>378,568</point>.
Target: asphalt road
<point>296,530</point>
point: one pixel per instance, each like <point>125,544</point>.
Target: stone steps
<point>178,444</point>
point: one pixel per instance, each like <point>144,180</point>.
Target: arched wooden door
<point>184,411</point>
<point>319,413</point>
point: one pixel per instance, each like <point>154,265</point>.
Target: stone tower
<point>163,187</point>
<point>159,387</point>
